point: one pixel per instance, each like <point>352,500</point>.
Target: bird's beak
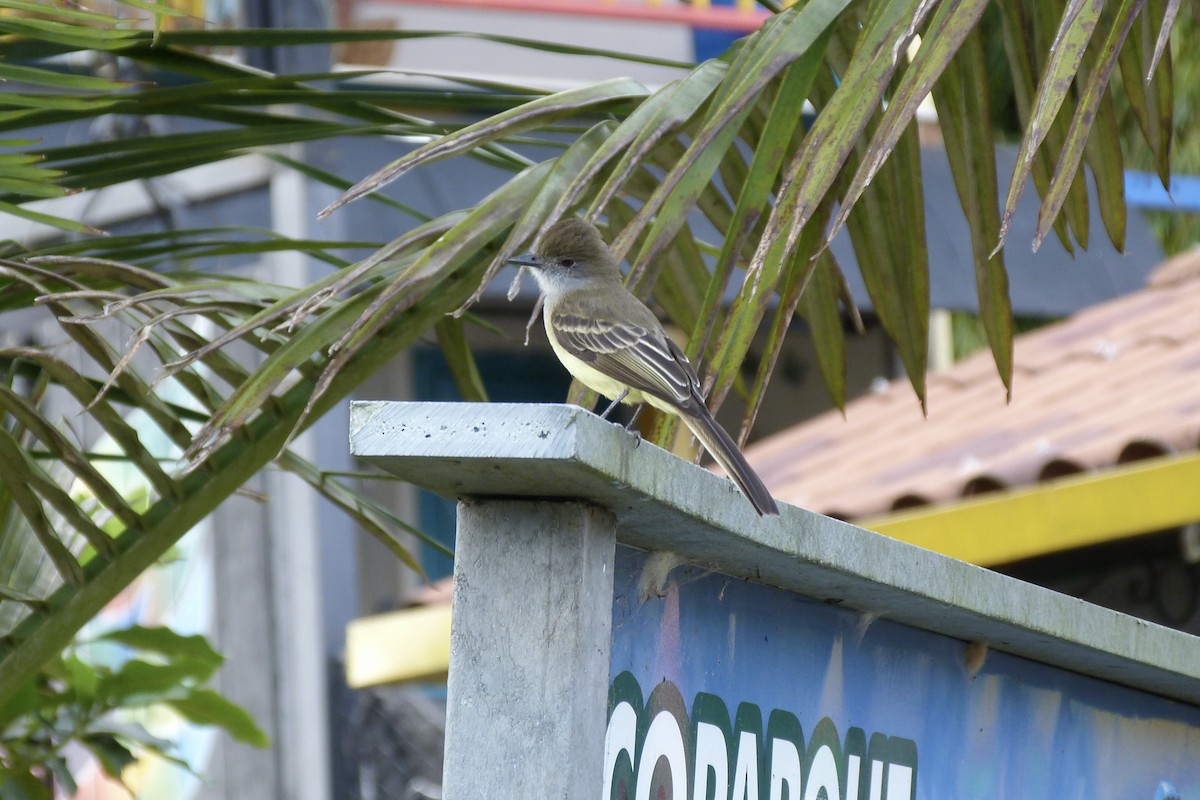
<point>527,260</point>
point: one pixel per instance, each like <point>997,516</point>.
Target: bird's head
<point>570,252</point>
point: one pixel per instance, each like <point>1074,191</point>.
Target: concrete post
<point>529,650</point>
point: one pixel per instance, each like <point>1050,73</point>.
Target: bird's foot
<point>630,426</point>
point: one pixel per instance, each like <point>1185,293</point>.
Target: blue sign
<point>723,689</point>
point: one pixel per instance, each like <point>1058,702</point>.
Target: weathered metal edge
<point>664,503</point>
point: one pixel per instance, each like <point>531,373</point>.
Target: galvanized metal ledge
<point>466,450</point>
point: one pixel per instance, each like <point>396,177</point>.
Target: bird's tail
<point>721,447</point>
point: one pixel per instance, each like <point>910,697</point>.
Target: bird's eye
<point>568,262</point>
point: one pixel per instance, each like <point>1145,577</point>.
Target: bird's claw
<point>634,432</point>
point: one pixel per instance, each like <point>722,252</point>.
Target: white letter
<point>876,780</point>
<point>663,740</point>
<point>823,775</point>
<point>785,768</point>
<point>621,736</point>
<point>853,764</point>
<point>711,751</point>
<point>900,780</point>
<point>745,774</point>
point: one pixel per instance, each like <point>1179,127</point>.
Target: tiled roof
<point>1113,383</point>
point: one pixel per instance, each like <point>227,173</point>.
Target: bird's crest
<point>573,239</point>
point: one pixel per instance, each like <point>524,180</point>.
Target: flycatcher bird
<point>612,343</point>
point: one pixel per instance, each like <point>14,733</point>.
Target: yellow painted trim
<point>408,645</point>
<point>1075,511</point>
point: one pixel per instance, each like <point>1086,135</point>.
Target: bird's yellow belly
<point>593,378</point>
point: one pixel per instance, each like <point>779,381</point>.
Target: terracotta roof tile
<point>1115,381</point>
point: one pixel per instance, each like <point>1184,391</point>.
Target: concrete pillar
<point>529,650</point>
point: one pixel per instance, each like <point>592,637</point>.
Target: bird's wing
<point>641,357</point>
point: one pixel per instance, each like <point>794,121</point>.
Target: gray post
<point>529,650</point>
